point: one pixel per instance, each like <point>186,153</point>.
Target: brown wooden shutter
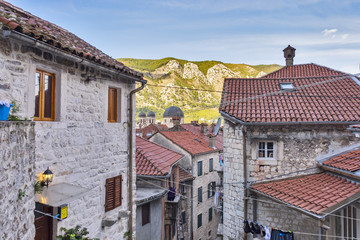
<point>113,193</point>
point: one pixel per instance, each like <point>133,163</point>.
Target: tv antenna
<point>217,127</point>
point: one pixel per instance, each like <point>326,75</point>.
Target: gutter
<point>40,44</point>
<point>235,120</point>
<point>245,176</point>
<point>131,156</point>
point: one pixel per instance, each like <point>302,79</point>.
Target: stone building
<point>78,99</point>
<point>145,120</point>
<point>202,152</point>
<point>161,192</point>
<point>274,128</point>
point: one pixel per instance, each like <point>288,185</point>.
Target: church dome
<point>142,114</point>
<point>173,112</point>
<point>151,114</point>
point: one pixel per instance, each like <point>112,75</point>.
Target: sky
<point>326,32</point>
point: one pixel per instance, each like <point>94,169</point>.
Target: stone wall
<point>81,147</point>
<point>295,154</point>
<point>17,171</point>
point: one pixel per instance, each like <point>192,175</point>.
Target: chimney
<point>176,121</point>
<point>204,128</point>
<point>289,54</point>
<point>195,123</point>
<point>212,139</point>
<point>213,127</point>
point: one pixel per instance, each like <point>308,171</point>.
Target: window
<point>113,193</point>
<point>199,168</point>
<point>287,87</point>
<point>183,217</point>
<point>347,223</point>
<point>211,167</point>
<point>145,213</point>
<point>211,189</point>
<point>266,149</point>
<point>44,96</point>
<point>112,107</point>
<point>210,215</point>
<point>199,194</point>
<point>199,222</point>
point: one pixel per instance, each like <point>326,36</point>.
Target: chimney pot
<point>212,140</point>
<point>289,54</point>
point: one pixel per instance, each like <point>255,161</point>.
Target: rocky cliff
<point>182,83</point>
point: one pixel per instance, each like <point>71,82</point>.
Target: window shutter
<point>113,193</point>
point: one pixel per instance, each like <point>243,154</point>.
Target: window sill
<point>267,161</point>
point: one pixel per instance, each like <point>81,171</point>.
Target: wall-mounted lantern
<point>47,177</point>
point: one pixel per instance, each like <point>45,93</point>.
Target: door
<point>43,223</point>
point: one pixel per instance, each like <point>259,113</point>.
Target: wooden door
<point>43,223</point>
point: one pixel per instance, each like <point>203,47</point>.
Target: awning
<point>59,194</point>
<point>148,194</point>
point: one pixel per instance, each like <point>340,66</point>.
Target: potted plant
<point>4,110</point>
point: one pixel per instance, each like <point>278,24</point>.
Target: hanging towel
<point>267,233</point>
<point>215,198</point>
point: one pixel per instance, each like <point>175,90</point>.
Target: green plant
<point>21,194</point>
<point>14,110</point>
<point>38,187</point>
<point>75,233</point>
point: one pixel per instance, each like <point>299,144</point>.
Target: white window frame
<point>357,225</point>
<point>266,149</point>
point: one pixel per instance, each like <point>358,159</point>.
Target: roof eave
<point>235,120</point>
<point>20,36</point>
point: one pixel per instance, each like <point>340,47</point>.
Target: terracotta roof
<point>317,193</point>
<point>16,19</point>
<point>185,175</point>
<point>152,129</point>
<point>316,99</point>
<point>188,141</point>
<point>349,161</point>
<point>303,70</point>
<point>196,129</point>
<point>153,159</point>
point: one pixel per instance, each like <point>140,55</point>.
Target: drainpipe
<point>245,175</point>
<point>130,190</point>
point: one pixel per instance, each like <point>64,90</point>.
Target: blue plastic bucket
<point>4,112</point>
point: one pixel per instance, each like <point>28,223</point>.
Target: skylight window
<point>287,86</point>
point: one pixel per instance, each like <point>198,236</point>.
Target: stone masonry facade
<point>296,148</point>
<point>81,147</point>
<point>17,171</point>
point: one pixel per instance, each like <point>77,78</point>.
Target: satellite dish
<point>217,127</point>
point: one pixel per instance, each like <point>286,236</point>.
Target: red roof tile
<point>185,175</point>
<point>349,161</point>
<point>188,141</point>
<point>151,129</point>
<point>16,19</point>
<point>315,193</point>
<point>196,129</point>
<point>303,70</point>
<point>153,159</point>
<point>316,99</point>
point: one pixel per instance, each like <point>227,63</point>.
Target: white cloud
<point>329,32</point>
<point>345,36</point>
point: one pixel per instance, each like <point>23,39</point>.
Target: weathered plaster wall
<point>17,171</point>
<point>296,150</point>
<point>80,146</point>
<point>151,230</point>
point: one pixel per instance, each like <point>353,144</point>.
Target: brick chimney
<point>204,128</point>
<point>212,139</point>
<point>289,54</point>
<point>176,121</point>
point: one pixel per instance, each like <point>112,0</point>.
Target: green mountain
<point>178,82</point>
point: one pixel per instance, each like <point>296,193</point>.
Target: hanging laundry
<point>255,228</point>
<point>267,233</point>
<point>216,198</point>
<point>221,160</point>
<point>262,231</point>
<point>247,228</point>
<point>281,235</point>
